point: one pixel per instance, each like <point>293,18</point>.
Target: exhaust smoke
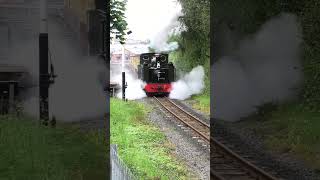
<point>160,41</point>
<point>78,91</point>
<point>135,86</point>
<point>191,84</point>
<point>263,68</point>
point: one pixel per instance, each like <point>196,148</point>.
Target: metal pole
<point>123,58</point>
<point>43,64</point>
<point>107,56</point>
<point>123,75</point>
<point>123,86</point>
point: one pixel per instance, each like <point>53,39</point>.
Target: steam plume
<point>192,83</point>
<point>159,42</point>
<point>77,93</point>
<point>135,86</point>
<point>265,67</point>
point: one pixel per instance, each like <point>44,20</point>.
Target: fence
<point>4,105</point>
<point>9,101</point>
<point>119,171</point>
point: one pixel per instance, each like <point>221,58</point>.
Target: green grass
<point>141,145</point>
<point>29,151</point>
<point>291,129</point>
<point>201,102</point>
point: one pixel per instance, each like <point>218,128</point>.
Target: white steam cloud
<point>135,86</point>
<point>159,42</point>
<point>134,89</point>
<point>264,68</point>
<point>168,47</point>
<point>192,83</point>
<point>78,91</point>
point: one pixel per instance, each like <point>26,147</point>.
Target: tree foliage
<point>309,14</point>
<point>194,40</point>
<point>118,24</point>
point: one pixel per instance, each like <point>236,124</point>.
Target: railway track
<point>201,128</point>
<point>225,164</point>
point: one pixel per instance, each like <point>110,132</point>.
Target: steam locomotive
<point>158,73</point>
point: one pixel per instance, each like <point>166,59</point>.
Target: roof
<point>12,68</point>
<point>132,48</point>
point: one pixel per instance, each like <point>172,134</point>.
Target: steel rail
<point>192,116</point>
<point>216,175</point>
<point>247,169</point>
<point>247,166</point>
<point>206,137</point>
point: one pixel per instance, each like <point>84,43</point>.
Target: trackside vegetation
<point>33,152</point>
<point>194,46</point>
<point>292,127</point>
<point>141,145</point>
<point>202,103</point>
<point>288,128</point>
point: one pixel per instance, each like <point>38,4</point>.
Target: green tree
<point>151,50</point>
<point>118,24</point>
<point>194,40</point>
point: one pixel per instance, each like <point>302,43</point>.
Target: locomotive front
<point>157,72</point>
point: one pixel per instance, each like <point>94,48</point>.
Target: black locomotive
<point>157,72</point>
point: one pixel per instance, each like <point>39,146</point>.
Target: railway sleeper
<point>233,173</point>
<point>223,162</point>
<point>226,168</point>
<point>217,156</point>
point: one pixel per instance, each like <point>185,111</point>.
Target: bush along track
<point>290,128</point>
<point>194,47</point>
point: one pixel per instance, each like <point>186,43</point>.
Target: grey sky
<point>146,18</point>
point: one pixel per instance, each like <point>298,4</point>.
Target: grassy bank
<point>30,151</point>
<point>141,145</point>
<point>201,103</point>
<point>289,128</point>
